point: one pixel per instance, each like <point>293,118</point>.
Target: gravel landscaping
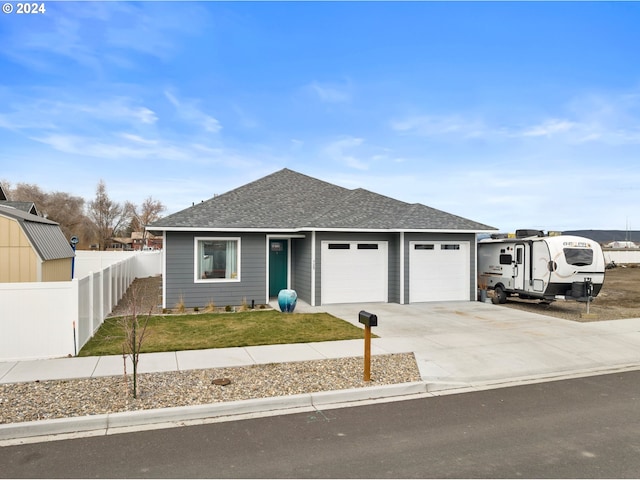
<point>23,402</point>
<point>41,400</point>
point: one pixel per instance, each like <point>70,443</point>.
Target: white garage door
<point>354,272</point>
<point>438,271</point>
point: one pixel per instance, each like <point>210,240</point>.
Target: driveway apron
<point>464,343</point>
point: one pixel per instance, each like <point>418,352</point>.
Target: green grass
<point>221,330</point>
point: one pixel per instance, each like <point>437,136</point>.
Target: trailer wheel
<point>501,295</point>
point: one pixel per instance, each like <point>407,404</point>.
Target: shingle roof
<point>45,235</point>
<point>28,207</point>
<point>291,200</point>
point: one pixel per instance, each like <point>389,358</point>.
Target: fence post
<point>75,299</point>
<point>91,304</point>
<point>101,296</point>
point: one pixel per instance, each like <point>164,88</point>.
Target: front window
<point>579,257</point>
<point>217,259</point>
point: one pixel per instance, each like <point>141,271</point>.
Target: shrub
<point>211,307</point>
<point>180,305</point>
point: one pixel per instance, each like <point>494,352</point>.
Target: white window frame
<point>196,278</point>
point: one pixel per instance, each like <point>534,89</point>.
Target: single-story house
<point>32,248</point>
<point>329,243</point>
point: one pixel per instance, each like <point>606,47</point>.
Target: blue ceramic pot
<point>287,300</point>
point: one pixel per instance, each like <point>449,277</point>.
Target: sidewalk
<point>459,346</point>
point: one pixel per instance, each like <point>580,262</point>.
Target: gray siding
<point>301,267</point>
<point>179,274</point>
<point>394,264</point>
<point>439,237</point>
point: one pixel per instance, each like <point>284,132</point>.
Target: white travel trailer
<point>536,266</point>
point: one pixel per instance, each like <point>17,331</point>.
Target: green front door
<point>277,266</point>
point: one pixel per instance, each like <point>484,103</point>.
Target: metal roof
<point>45,235</point>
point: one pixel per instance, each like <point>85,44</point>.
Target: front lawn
<point>219,330</point>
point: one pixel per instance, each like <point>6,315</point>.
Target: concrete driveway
<point>472,343</point>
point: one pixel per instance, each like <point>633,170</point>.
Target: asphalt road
<point>581,428</point>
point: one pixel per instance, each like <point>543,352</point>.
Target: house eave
<point>320,229</point>
<point>223,229</point>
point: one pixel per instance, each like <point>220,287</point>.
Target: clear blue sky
<point>517,115</point>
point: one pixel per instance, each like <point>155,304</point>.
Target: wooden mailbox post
<point>368,320</point>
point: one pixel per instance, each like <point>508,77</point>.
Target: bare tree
<point>61,207</point>
<point>108,216</point>
<point>150,212</point>
<point>135,332</point>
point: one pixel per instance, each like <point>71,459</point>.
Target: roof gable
<point>293,201</point>
<point>28,207</point>
<point>45,235</point>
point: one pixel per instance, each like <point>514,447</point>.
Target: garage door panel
<point>354,272</point>
<point>439,271</point>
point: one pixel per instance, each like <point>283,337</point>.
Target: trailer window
<point>578,256</point>
<point>505,259</point>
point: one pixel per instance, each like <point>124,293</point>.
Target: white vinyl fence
<point>621,256</point>
<point>55,319</point>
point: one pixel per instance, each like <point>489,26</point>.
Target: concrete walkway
<point>457,345</point>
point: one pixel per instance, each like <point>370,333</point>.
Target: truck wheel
<point>501,295</point>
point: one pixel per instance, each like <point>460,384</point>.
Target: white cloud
<point>131,148</point>
<point>437,126</point>
<point>49,114</point>
<point>191,113</point>
<point>338,151</point>
<point>296,144</point>
<point>329,93</point>
<point>608,122</point>
<point>98,36</point>
<point>549,127</point>
<point>138,139</point>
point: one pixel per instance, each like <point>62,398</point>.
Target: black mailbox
<point>368,319</point>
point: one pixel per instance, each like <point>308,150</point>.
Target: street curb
<point>104,422</point>
<point>172,416</point>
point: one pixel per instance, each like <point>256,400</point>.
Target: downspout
<point>266,292</point>
<point>313,268</point>
<point>475,266</point>
<point>402,268</point>
<point>164,269</point>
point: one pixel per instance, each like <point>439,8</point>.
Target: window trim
<point>196,278</point>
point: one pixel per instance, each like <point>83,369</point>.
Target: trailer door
<point>520,267</point>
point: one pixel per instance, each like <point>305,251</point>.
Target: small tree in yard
<point>135,332</point>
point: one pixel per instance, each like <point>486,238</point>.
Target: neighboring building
<point>32,248</point>
<point>329,243</point>
<point>120,244</point>
<point>153,242</point>
<point>28,207</point>
<point>621,245</point>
